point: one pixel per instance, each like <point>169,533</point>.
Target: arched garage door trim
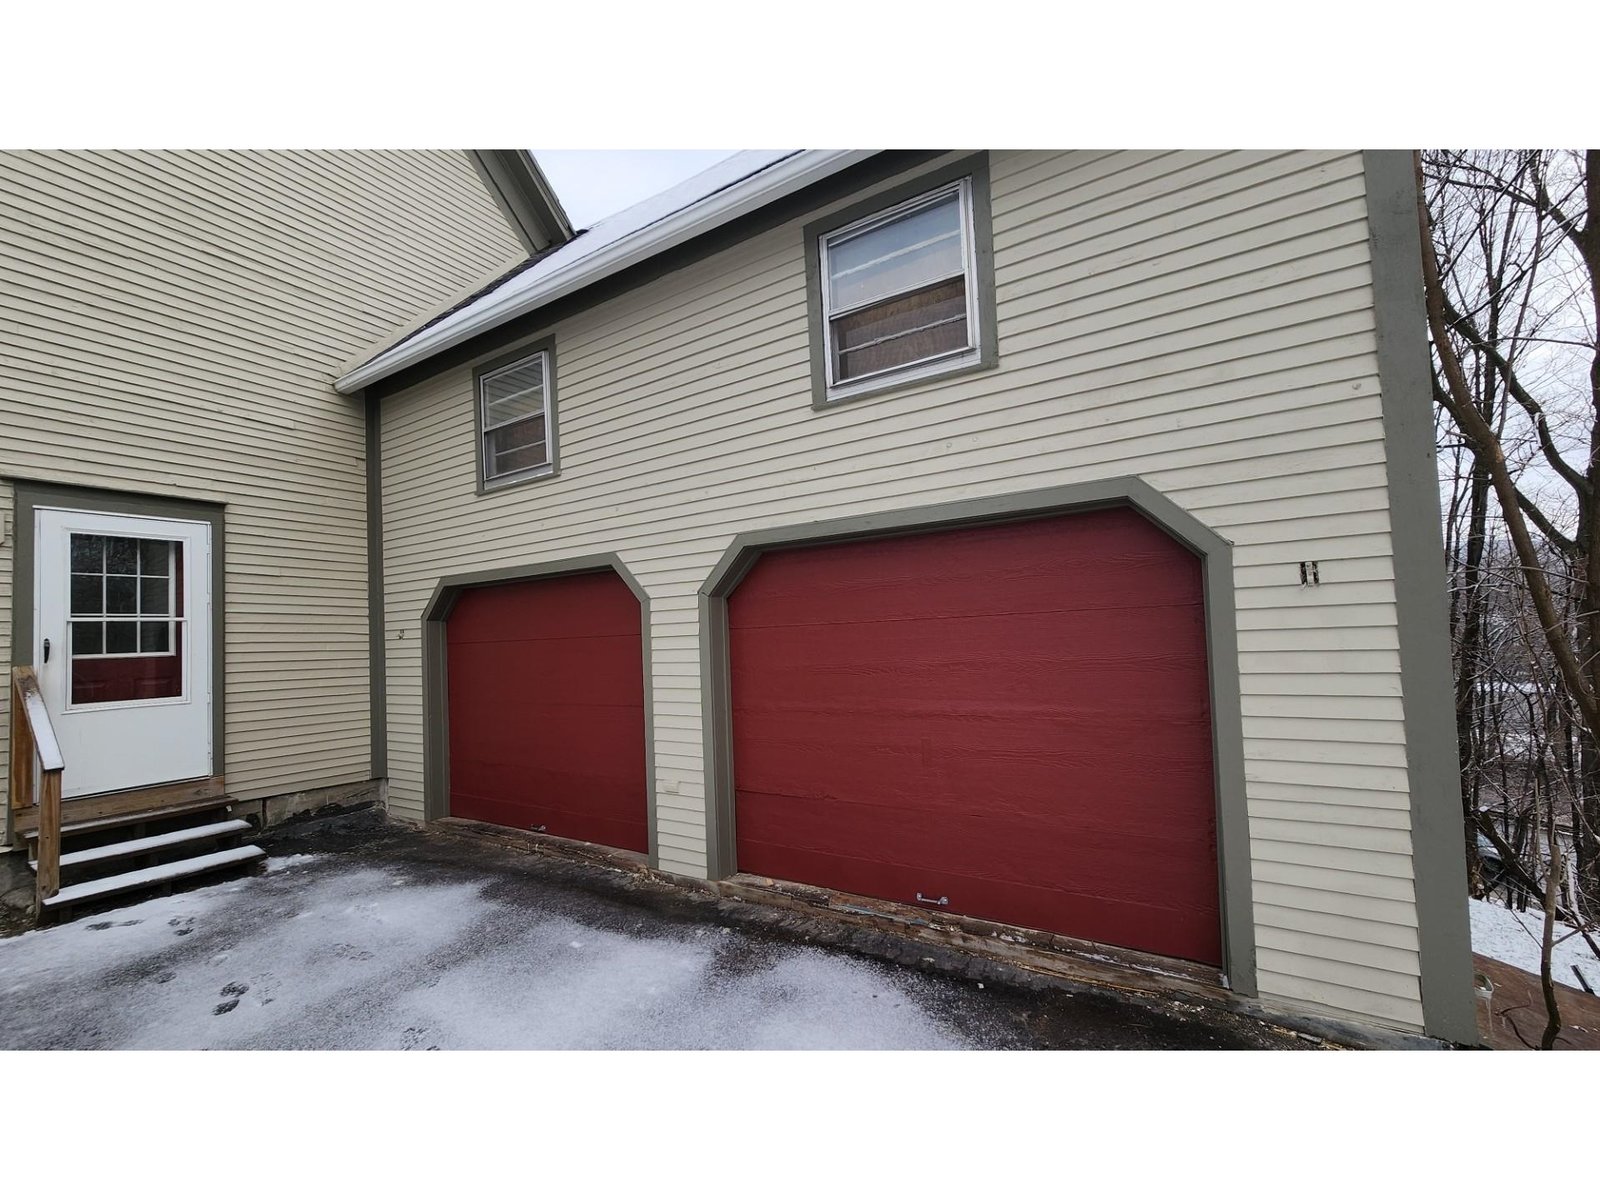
<point>435,671</point>
<point>1222,656</point>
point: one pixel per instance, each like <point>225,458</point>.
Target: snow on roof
<point>726,190</point>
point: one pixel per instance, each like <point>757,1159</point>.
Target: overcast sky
<point>596,183</point>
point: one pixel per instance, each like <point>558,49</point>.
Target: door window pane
<point>122,556</point>
<point>122,594</point>
<point>153,636</point>
<point>153,597</point>
<point>87,595</point>
<point>88,552</point>
<point>88,637</point>
<point>121,637</point>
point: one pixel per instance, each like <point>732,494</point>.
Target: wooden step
<point>111,885</point>
<point>136,818</point>
<point>160,841</point>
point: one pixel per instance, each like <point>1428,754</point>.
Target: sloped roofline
<point>530,205</point>
<point>589,258</point>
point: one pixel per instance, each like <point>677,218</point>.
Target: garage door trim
<point>435,672</point>
<point>1222,658</point>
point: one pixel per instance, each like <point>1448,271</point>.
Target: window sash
<point>489,453</point>
<point>969,274</point>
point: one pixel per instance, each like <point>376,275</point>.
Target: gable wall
<point>1203,320</point>
<point>170,323</point>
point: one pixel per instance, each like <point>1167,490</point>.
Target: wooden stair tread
<point>165,873</point>
<point>135,818</point>
<point>160,841</point>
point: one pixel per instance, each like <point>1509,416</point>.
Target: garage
<point>1009,722</point>
<point>546,708</point>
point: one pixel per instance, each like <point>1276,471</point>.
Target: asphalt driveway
<point>376,937</point>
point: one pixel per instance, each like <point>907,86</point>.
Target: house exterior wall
<point>170,324</point>
<point>1202,320</point>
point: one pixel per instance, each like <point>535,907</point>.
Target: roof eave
<point>524,196</point>
<point>781,179</point>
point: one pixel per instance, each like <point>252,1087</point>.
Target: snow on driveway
<point>1515,938</point>
<point>317,954</point>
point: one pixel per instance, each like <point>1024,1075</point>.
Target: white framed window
<point>900,292</point>
<point>516,420</point>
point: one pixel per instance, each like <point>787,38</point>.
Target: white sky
<point>596,183</point>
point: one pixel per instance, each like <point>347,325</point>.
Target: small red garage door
<point>1014,717</point>
<point>546,685</point>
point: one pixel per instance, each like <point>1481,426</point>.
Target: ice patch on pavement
<point>286,861</point>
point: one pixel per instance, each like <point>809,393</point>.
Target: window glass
<point>907,253</point>
<point>513,404</point>
<point>897,290</point>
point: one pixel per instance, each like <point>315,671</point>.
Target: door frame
<point>1222,664</point>
<point>29,495</point>
<point>436,673</point>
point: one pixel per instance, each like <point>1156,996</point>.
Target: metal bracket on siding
<point>1310,574</point>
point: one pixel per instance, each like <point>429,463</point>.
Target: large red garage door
<point>547,709</point>
<point>1014,718</point>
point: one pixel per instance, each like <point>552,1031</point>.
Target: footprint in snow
<point>232,993</point>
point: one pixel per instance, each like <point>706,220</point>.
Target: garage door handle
<point>942,900</point>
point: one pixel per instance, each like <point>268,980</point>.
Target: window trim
<point>969,177</point>
<point>546,350</point>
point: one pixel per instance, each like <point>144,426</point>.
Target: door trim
<point>1222,664</point>
<point>31,494</point>
<point>436,673</point>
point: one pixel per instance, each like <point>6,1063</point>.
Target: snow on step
<point>159,841</point>
<point>165,873</point>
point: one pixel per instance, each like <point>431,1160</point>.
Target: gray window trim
<point>980,276</point>
<point>1222,658</point>
<point>436,672</point>
<point>28,495</point>
<point>547,348</point>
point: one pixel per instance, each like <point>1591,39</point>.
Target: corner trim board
<point>1216,555</point>
<point>435,672</point>
<point>1438,851</point>
<point>377,665</point>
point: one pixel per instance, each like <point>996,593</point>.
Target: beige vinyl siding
<point>170,323</point>
<point>1203,320</point>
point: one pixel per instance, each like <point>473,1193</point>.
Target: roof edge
<point>747,195</point>
<point>525,198</point>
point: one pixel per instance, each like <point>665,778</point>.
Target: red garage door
<point>547,709</point>
<point>1013,717</point>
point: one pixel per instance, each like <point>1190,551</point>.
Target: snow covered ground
<point>370,958</point>
<point>1514,938</point>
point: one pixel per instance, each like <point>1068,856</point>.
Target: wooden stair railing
<point>36,767</point>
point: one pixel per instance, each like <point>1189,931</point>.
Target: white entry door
<point>122,645</point>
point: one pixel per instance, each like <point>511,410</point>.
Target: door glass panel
<point>122,594</point>
<point>87,595</point>
<point>88,637</point>
<point>122,556</point>
<point>127,619</point>
<point>88,553</point>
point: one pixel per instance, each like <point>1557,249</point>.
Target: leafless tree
<point>1511,266</point>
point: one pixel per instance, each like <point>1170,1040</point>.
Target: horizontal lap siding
<point>170,323</point>
<point>1202,320</point>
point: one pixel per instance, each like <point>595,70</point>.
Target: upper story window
<point>516,419</point>
<point>902,285</point>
